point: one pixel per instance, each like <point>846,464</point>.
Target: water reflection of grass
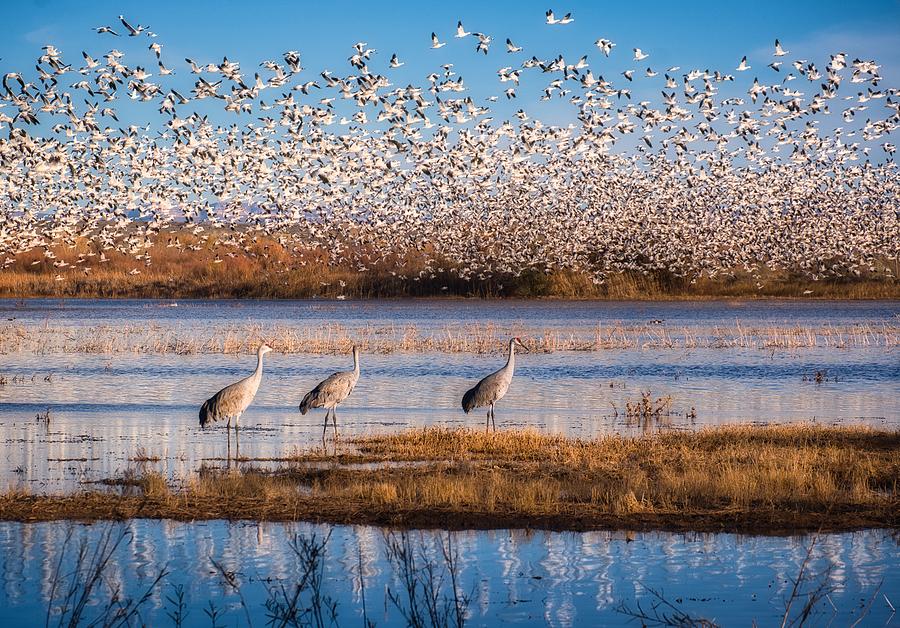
<point>86,590</point>
<point>764,479</point>
<point>426,586</point>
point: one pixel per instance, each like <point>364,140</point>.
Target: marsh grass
<point>740,478</point>
<point>142,455</point>
<point>43,417</point>
<point>429,594</point>
<point>205,265</point>
<point>151,338</point>
<point>85,593</point>
<point>648,409</point>
<point>660,611</point>
<point>305,602</point>
<point>90,592</point>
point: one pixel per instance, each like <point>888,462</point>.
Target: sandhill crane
<point>491,389</point>
<point>230,402</point>
<point>332,391</point>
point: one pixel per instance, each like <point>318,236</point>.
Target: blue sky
<point>700,35</point>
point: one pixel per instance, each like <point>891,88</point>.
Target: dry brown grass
<point>203,266</point>
<point>743,478</point>
<point>155,338</point>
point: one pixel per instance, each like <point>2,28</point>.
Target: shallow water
<point>105,408</point>
<point>436,312</point>
<point>533,579</point>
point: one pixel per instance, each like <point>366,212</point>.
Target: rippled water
<point>104,407</point>
<point>536,579</point>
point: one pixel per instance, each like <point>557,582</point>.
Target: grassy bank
<point>773,479</point>
<point>182,264</point>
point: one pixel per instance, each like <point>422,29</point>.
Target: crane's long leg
<point>334,421</point>
<point>487,421</point>
<point>493,422</point>
<point>325,427</point>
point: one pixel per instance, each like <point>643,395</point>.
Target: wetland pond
<point>529,578</point>
<point>110,402</point>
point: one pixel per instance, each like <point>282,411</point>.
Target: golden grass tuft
<point>760,479</point>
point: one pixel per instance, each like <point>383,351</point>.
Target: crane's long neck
<point>257,374</point>
<point>355,362</point>
<point>511,360</point>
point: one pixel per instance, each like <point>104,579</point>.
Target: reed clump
<point>142,455</point>
<point>648,408</point>
<point>742,478</point>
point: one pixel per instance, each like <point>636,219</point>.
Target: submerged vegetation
<point>736,478</point>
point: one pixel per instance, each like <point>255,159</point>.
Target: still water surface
<point>532,579</point>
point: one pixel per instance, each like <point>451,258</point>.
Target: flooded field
<point>533,579</point>
<point>76,409</point>
<point>105,409</point>
<point>108,408</point>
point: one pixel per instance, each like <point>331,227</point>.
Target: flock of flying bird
<point>793,170</point>
<point>230,403</point>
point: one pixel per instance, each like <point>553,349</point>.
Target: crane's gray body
<point>230,402</point>
<point>492,388</point>
<point>331,391</point>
